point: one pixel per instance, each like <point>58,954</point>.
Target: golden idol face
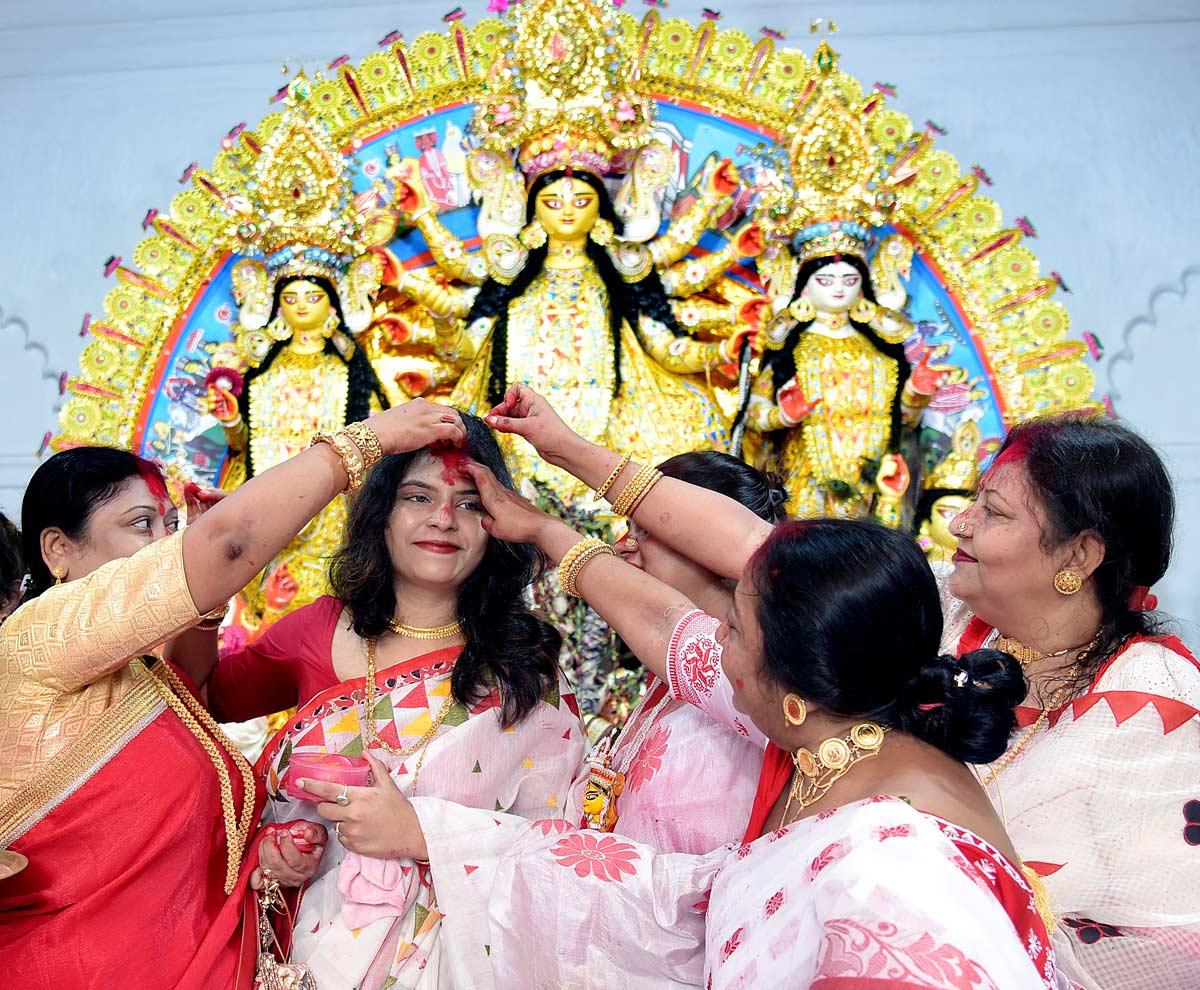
<point>567,209</point>
<point>305,306</point>
<point>941,514</point>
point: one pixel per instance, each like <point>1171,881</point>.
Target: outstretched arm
<point>711,529</point>
<point>642,609</point>
<point>236,538</point>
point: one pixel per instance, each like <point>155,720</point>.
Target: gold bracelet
<point>367,442</point>
<point>213,618</point>
<point>633,493</point>
<point>616,472</point>
<point>351,456</point>
<point>569,559</point>
<point>654,480</point>
<point>569,581</point>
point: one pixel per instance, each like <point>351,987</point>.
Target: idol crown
<point>298,215</point>
<point>840,181</point>
<point>560,92</point>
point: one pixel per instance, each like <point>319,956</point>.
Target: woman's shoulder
<point>1158,665</point>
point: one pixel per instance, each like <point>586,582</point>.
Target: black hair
<point>1097,475</point>
<point>362,381</point>
<point>851,620</point>
<point>761,493</point>
<point>65,491</point>
<point>12,563</point>
<point>626,301</point>
<point>506,644</point>
<point>782,362</point>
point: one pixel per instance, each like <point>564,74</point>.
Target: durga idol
<point>575,291</point>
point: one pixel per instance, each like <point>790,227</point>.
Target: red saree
<point>114,800</point>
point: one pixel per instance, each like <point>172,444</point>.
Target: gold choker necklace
<point>448,631</point>
<point>1025,655</point>
<point>817,772</point>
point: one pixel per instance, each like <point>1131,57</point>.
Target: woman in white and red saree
<point>870,732</point>
<point>134,817</point>
<point>665,748</point>
<point>429,661</point>
<point>1099,787</point>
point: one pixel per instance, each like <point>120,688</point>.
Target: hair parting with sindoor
<point>507,646</point>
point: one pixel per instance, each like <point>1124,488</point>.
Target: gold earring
<point>59,573</point>
<point>802,310</point>
<point>602,233</point>
<point>278,328</point>
<point>863,311</point>
<point>533,236</point>
<point>1067,581</point>
<point>794,709</point>
<point>331,325</point>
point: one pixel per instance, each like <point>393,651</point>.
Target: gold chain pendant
<point>817,773</point>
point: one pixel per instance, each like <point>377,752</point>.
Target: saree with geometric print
<point>370,923</point>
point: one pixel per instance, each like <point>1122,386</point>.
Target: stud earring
<point>1067,581</point>
<point>794,709</point>
<point>59,573</point>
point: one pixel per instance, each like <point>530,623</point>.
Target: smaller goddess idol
<point>303,288</point>
<point>835,389</point>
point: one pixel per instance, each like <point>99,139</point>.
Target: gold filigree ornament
<point>842,183</point>
<point>297,216</point>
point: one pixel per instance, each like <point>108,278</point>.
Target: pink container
<point>354,771</point>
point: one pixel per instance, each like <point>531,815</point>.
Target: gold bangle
<point>653,480</point>
<point>616,473</point>
<point>633,493</point>
<point>351,456</point>
<point>367,442</point>
<point>567,564</point>
<point>588,550</point>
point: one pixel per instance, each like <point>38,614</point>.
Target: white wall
<point>1080,110</point>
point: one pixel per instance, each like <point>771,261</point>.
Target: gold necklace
<point>372,695</point>
<point>447,631</point>
<point>817,772</point>
<point>1025,655</point>
<point>193,715</point>
<point>1058,698</point>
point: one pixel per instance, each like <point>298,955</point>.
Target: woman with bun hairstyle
<point>871,852</point>
<point>1099,786</point>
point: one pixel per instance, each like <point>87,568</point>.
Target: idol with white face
<point>834,288</point>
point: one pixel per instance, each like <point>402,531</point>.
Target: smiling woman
<point>428,660</point>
